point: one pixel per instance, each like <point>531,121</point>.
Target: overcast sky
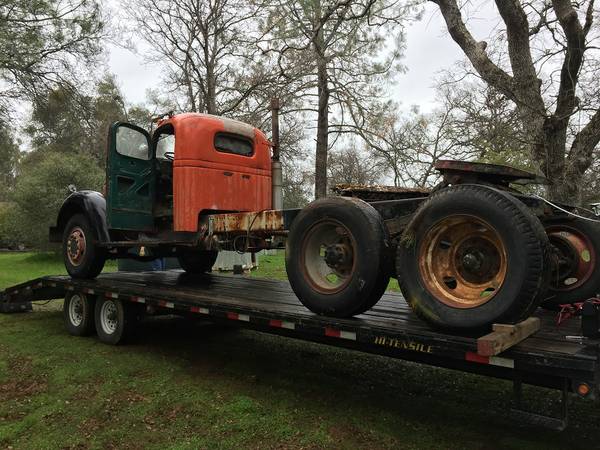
<point>429,50</point>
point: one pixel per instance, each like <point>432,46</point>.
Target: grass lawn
<point>183,384</point>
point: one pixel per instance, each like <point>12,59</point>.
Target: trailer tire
<point>115,320</point>
<point>578,242</point>
<point>346,238</point>
<point>471,256</point>
<point>82,257</point>
<point>197,262</point>
<point>78,314</point>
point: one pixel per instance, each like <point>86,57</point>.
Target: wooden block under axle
<point>505,336</point>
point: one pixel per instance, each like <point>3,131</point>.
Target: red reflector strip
<point>87,291</point>
<point>138,299</point>
<point>493,360</point>
<point>282,324</point>
<point>111,295</point>
<point>197,309</point>
<point>332,332</point>
<point>236,316</point>
<point>166,304</point>
<point>474,357</point>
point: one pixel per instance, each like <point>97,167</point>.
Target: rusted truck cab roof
<point>195,139</point>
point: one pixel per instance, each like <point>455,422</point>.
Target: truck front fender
<point>92,204</point>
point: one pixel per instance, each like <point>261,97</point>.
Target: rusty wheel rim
<point>328,256</point>
<point>76,246</point>
<point>576,258</point>
<point>462,261</point>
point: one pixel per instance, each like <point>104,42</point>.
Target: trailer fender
<point>90,203</point>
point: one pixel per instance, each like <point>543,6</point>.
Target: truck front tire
<point>197,262</point>
<point>83,258</point>
<point>337,256</point>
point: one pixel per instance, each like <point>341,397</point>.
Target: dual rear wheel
<point>471,255</point>
<point>112,319</point>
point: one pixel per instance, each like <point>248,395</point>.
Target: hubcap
<point>462,261</point>
<point>328,256</point>
<point>575,255</point>
<point>76,246</point>
<point>76,310</point>
<point>108,317</point>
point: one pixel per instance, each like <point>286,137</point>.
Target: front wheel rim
<point>462,261</point>
<point>109,317</point>
<point>76,310</point>
<point>328,256</point>
<point>76,246</point>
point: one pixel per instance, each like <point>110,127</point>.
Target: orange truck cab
<point>192,164</point>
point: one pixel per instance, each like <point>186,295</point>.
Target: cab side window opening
<point>231,143</point>
<point>165,146</point>
<point>132,143</point>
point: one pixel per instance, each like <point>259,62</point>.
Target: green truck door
<point>130,178</point>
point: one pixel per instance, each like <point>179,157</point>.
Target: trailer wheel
<point>115,320</point>
<point>337,256</point>
<point>471,256</point>
<point>78,314</point>
<point>82,257</point>
<point>576,274</point>
<point>196,262</point>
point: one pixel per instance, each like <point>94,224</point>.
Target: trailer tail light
<point>583,389</point>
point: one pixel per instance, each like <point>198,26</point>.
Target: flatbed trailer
<point>556,357</point>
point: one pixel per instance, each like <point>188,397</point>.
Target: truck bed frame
<point>556,357</point>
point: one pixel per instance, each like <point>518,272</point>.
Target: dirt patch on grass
<point>22,380</point>
<point>341,435</point>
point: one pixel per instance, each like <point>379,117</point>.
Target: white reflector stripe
<point>138,299</point>
<point>503,362</point>
<point>244,317</point>
<point>112,295</point>
<point>348,335</point>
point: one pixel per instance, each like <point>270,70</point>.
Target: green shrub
<point>10,236</point>
<point>41,188</point>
